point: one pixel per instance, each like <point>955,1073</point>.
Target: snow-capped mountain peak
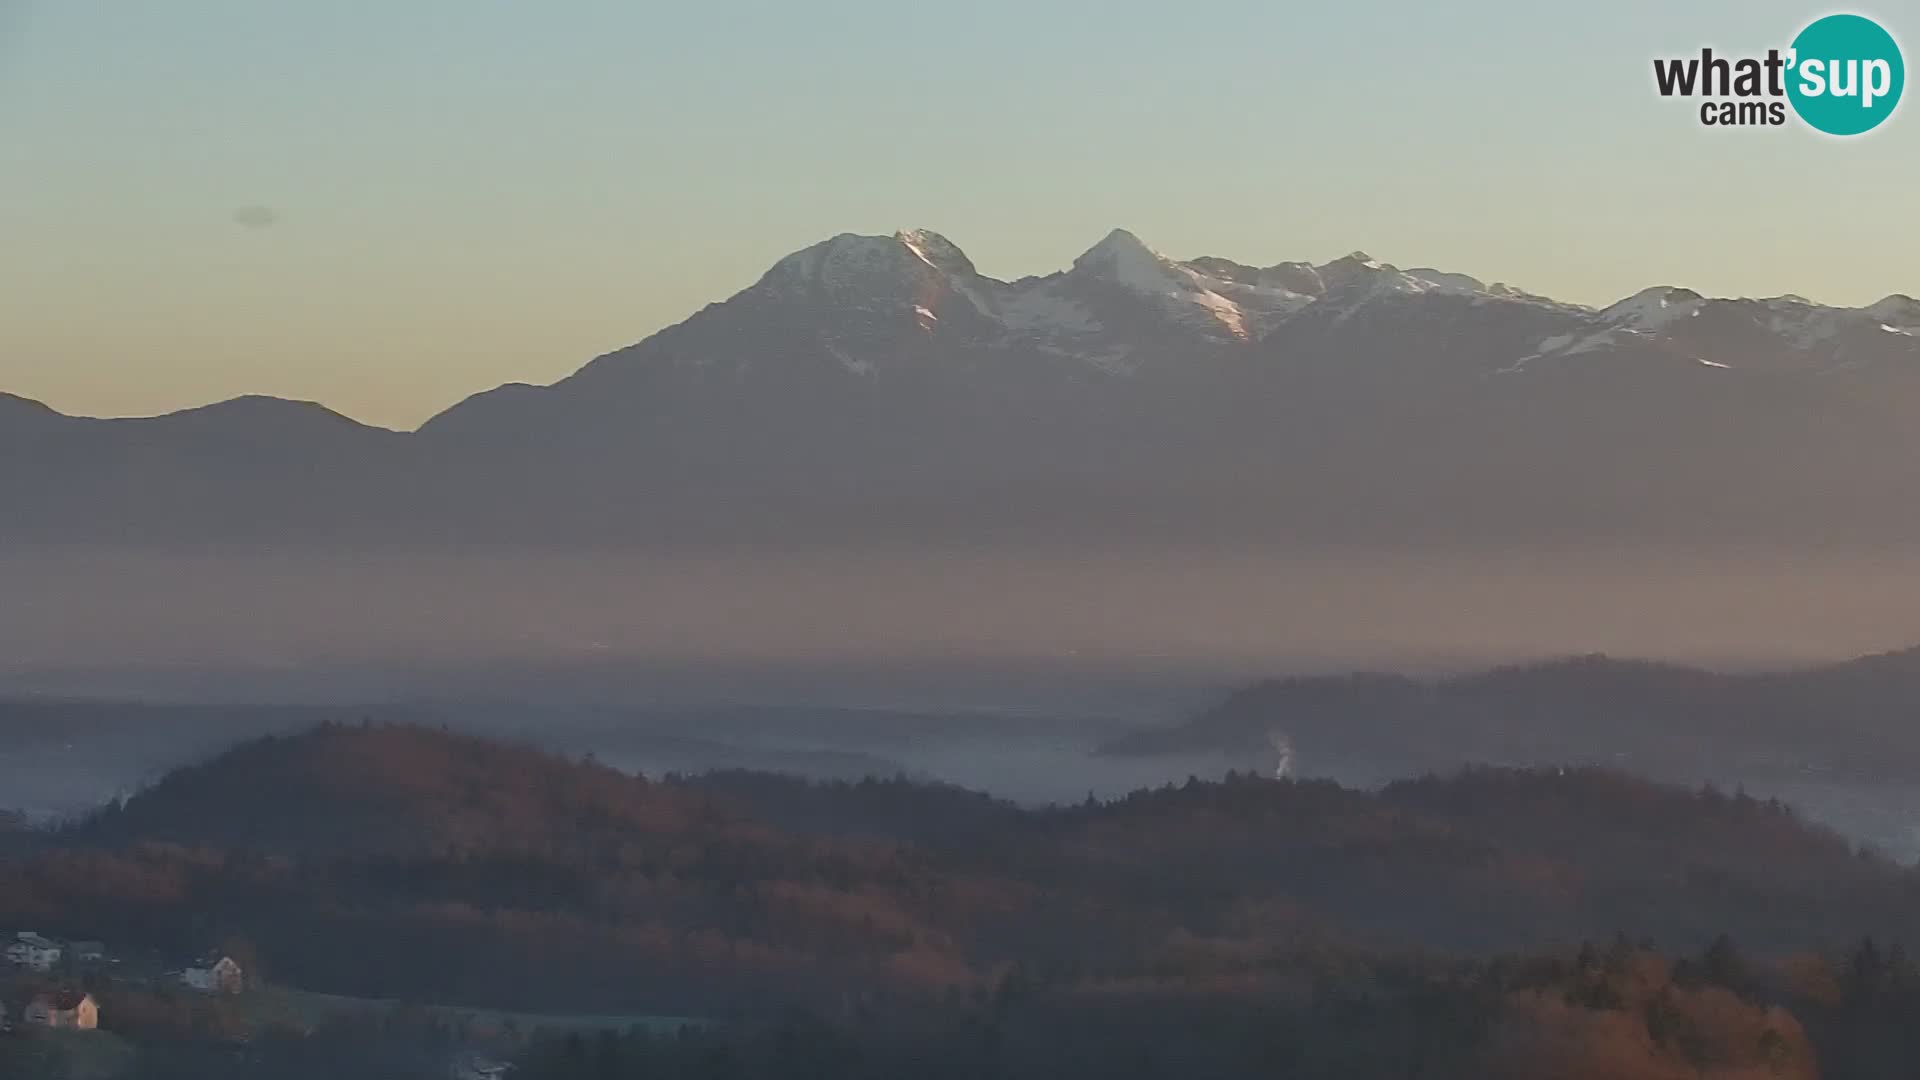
<point>1897,314</point>
<point>853,261</point>
<point>1358,277</point>
<point>1122,259</point>
<point>915,270</point>
<point>1210,293</point>
<point>937,251</point>
<point>1787,332</point>
<point>1123,303</point>
<point>1120,252</point>
<point>1653,308</point>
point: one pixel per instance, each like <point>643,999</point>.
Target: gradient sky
<point>387,206</point>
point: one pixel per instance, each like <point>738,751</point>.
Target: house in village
<point>73,1010</point>
<point>477,1067</point>
<point>87,954</point>
<point>30,950</point>
<point>215,974</point>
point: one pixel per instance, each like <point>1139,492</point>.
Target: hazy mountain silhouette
<point>1854,718</point>
<point>881,387</point>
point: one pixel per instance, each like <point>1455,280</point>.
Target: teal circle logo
<point>1846,75</point>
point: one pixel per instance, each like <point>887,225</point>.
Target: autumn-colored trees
<point>409,862</point>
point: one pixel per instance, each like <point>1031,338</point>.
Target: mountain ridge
<point>1666,719</point>
<point>1122,256</point>
<point>881,385</point>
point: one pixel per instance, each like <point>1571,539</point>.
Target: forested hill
<point>395,791</point>
<point>405,861</point>
<point>399,790</point>
<point>1854,717</point>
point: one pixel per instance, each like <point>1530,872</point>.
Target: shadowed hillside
<point>410,861</point>
<point>393,791</point>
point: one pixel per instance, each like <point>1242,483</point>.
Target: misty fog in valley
<point>1006,672</point>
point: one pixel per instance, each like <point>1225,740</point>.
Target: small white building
<point>215,976</point>
<point>70,1009</point>
<point>30,950</point>
<point>478,1067</point>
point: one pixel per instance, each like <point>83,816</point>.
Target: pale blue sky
<point>474,191</point>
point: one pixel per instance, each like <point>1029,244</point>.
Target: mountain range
<point>881,387</point>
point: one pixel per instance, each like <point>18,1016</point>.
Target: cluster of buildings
<point>35,953</point>
<point>72,1010</point>
<point>44,954</point>
<point>473,1066</point>
<point>213,974</point>
<point>75,1009</point>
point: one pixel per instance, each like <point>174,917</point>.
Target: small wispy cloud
<point>256,217</point>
